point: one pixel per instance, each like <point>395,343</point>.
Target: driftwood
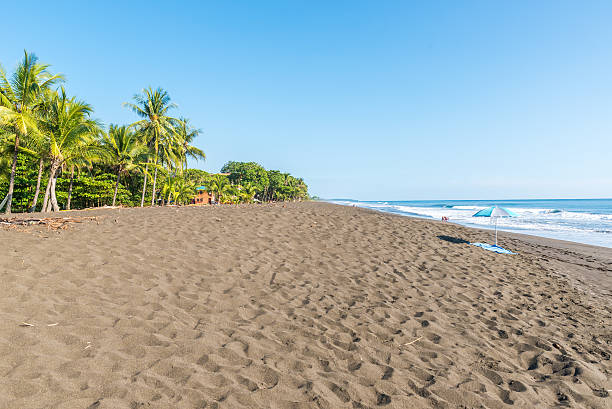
<point>52,223</point>
<point>412,342</point>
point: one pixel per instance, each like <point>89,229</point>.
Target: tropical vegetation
<point>52,146</point>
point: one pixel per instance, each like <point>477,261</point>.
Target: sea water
<point>586,221</point>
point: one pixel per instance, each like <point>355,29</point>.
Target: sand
<point>305,305</point>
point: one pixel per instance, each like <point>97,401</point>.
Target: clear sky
<point>377,100</point>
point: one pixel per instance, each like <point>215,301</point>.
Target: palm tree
<point>19,97</point>
<point>123,150</point>
<point>34,147</point>
<point>230,194</point>
<point>218,185</point>
<point>6,145</point>
<point>247,192</point>
<point>170,155</point>
<point>183,190</point>
<point>186,136</point>
<point>40,152</point>
<point>156,126</point>
<point>71,137</point>
<point>168,188</point>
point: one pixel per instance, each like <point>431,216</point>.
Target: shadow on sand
<point>455,240</point>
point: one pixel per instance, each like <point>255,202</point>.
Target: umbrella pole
<point>496,232</point>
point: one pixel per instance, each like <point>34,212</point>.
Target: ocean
<point>586,221</point>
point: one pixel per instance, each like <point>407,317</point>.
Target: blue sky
<point>376,100</point>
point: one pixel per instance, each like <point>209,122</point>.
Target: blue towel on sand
<point>493,248</point>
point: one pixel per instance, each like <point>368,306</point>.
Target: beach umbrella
<point>495,212</point>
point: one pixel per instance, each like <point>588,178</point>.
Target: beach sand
<point>306,305</point>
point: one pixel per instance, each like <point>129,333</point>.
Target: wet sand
<point>305,305</point>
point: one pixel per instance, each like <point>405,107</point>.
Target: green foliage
<point>186,136</point>
<point>178,189</point>
<point>197,176</point>
<point>184,191</point>
<point>121,149</point>
<point>159,131</point>
<point>25,183</point>
<point>267,185</point>
<point>45,125</point>
<point>248,173</point>
<point>218,186</point>
<point>20,97</point>
<point>88,191</point>
<point>96,187</point>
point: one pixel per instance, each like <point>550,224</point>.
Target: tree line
<point>55,155</point>
<point>248,182</point>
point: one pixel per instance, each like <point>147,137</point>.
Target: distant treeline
<point>54,155</point>
<point>265,185</point>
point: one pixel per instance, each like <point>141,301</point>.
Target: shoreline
<point>591,240</point>
<point>296,305</point>
<point>591,264</point>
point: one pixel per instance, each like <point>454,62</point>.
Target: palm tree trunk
<point>154,181</point>
<point>53,197</point>
<point>45,205</point>
<point>70,187</point>
<point>3,202</point>
<point>48,202</point>
<point>144,185</point>
<point>116,187</point>
<point>37,192</point>
<point>12,180</point>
